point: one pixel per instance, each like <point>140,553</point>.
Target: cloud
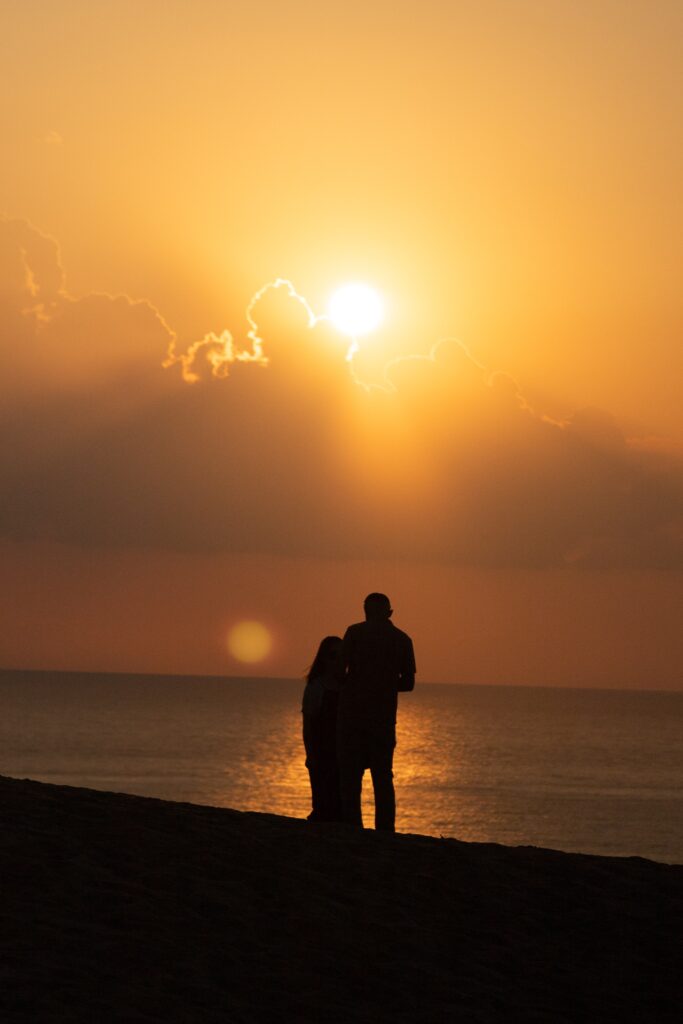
<point>215,354</point>
<point>31,277</point>
<point>292,454</point>
<point>53,342</point>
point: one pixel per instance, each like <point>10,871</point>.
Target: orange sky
<point>505,174</point>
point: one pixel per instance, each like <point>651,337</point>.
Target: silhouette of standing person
<point>377,662</point>
<point>319,707</point>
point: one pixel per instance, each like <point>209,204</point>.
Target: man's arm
<point>406,679</point>
<point>346,652</point>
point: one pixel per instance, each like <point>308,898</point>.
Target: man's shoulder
<point>387,628</point>
<point>402,636</point>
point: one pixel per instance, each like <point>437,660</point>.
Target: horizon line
<point>295,679</point>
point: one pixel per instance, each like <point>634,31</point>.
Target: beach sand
<point>122,908</point>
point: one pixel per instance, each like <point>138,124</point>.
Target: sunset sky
<point>503,455</point>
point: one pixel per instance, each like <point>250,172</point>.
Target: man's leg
<point>351,767</point>
<point>381,769</point>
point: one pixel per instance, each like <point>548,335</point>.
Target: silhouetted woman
<point>319,708</point>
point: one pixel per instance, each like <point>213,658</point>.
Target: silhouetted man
<point>378,662</point>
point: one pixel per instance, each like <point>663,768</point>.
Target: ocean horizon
<point>580,770</point>
<point>212,676</point>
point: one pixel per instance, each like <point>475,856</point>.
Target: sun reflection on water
<point>270,775</point>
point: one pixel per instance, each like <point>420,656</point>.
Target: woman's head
<point>328,654</point>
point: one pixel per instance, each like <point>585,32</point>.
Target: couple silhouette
<point>349,715</point>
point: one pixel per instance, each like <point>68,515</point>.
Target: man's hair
<point>377,606</point>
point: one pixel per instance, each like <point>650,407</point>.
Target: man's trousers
<point>360,746</point>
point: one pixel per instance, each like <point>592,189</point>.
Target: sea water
<point>591,771</point>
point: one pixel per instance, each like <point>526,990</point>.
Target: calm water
<point>589,771</point>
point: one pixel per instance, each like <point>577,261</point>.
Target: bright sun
<point>249,641</point>
<point>355,309</point>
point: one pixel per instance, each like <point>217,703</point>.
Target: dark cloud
<point>290,454</point>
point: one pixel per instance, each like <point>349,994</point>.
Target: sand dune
<point>121,908</point>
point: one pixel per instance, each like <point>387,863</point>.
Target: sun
<point>355,309</point>
<point>249,641</point>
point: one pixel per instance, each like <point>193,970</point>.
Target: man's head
<point>377,606</point>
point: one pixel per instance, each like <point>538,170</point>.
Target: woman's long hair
<point>322,657</point>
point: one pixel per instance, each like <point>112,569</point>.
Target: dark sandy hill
<point>119,908</point>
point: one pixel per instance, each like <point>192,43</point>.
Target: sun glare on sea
<point>249,641</point>
<point>355,309</point>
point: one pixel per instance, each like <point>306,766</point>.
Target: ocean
<point>585,771</point>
